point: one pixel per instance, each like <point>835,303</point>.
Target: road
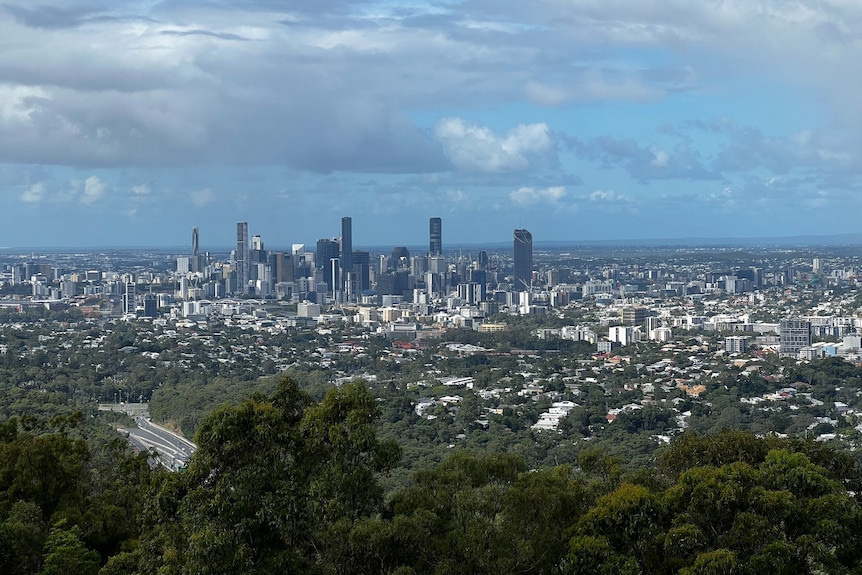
<point>172,451</point>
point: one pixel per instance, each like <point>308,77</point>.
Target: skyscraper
<point>346,251</point>
<point>196,258</point>
<point>523,256</point>
<point>129,299</point>
<point>327,250</point>
<point>241,257</point>
<point>361,271</point>
<point>435,247</point>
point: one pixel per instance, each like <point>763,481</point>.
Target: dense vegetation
<point>282,483</point>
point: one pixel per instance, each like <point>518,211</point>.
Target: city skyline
<point>584,120</point>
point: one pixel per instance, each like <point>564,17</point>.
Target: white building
<point>624,334</point>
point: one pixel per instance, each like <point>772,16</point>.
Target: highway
<point>172,451</point>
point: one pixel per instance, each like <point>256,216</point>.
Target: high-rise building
<point>281,266</point>
<point>129,299</point>
<point>256,255</point>
<point>241,257</point>
<point>400,257</point>
<point>793,335</point>
<point>435,246</point>
<point>523,256</point>
<point>196,259</point>
<point>736,344</point>
<point>327,250</point>
<point>634,315</point>
<point>361,265</point>
<point>346,252</point>
<point>482,260</point>
<point>151,307</point>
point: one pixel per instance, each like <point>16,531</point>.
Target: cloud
<point>333,86</point>
<point>748,149</point>
<point>474,148</point>
<point>608,196</point>
<point>201,198</point>
<point>647,162</point>
<point>529,196</point>
<point>50,17</point>
<point>94,189</point>
<point>34,194</point>
<point>141,190</point>
<point>592,86</point>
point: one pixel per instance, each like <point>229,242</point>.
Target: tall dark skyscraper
<point>241,257</point>
<point>523,256</point>
<point>327,250</point>
<point>346,248</point>
<point>196,257</point>
<point>361,269</point>
<point>436,243</point>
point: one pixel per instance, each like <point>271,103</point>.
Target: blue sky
<point>129,123</point>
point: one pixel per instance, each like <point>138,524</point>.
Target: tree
<point>273,484</point>
<point>66,553</point>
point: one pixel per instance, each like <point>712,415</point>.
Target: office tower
<point>346,252</point>
<point>793,335</point>
<point>634,315</point>
<point>482,260</point>
<point>400,257</point>
<point>281,266</point>
<point>151,308</point>
<point>184,265</point>
<point>346,244</point>
<point>438,264</point>
<point>241,257</point>
<point>327,250</point>
<point>523,256</point>
<point>334,267</point>
<point>436,243</point>
<point>256,255</point>
<point>362,269</point>
<point>418,266</point>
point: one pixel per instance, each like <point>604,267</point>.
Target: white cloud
<point>591,86</point>
<point>608,196</point>
<point>201,198</point>
<point>529,196</point>
<point>455,197</point>
<point>34,194</point>
<point>474,148</point>
<point>660,157</point>
<point>94,189</point>
<point>141,190</point>
<point>184,83</point>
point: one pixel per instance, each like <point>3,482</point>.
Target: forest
<point>314,461</point>
<point>283,483</point>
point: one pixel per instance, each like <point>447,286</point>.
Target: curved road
<point>172,451</point>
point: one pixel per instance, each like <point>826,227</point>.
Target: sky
<point>129,123</point>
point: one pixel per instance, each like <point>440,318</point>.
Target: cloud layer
<point>387,106</point>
